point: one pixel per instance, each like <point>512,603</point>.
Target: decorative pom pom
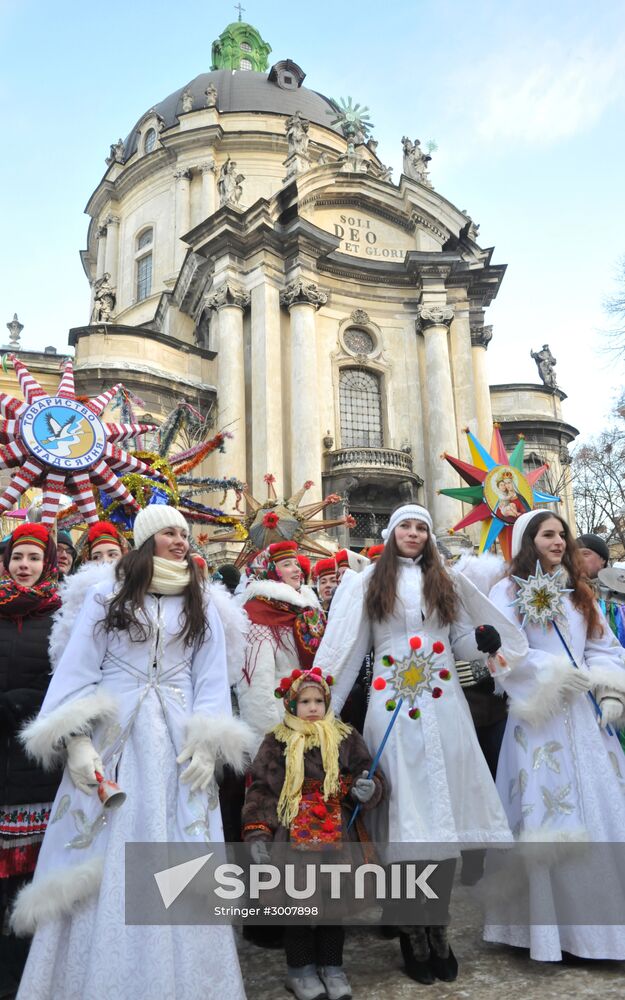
<point>329,680</point>
<point>317,671</point>
<point>414,713</point>
<point>437,692</point>
<point>444,674</point>
<point>387,661</point>
<point>296,673</point>
<point>438,647</point>
<point>285,684</point>
<point>279,693</point>
<point>379,684</point>
<point>391,705</point>
<point>415,642</point>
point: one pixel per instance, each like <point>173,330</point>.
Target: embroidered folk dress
<point>562,779</point>
<point>440,788</point>
<point>143,702</point>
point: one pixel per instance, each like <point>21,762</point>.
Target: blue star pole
<point>376,759</point>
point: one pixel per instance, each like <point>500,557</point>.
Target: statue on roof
<point>117,152</point>
<point>229,184</point>
<point>415,160</point>
<point>103,300</point>
<point>211,96</point>
<point>296,128</point>
<point>546,364</point>
<point>187,100</point>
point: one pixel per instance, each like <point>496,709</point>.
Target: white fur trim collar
<point>276,591</point>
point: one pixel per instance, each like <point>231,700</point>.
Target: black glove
<point>487,639</point>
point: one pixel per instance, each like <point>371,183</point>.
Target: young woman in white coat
<point>561,774</point>
<point>441,791</point>
<point>141,696</point>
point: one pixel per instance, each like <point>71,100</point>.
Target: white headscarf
<point>520,527</point>
<point>407,512</point>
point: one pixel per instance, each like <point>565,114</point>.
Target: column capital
<point>184,174</point>
<point>228,294</point>
<point>112,220</point>
<point>302,292</point>
<point>434,315</point>
<point>100,232</point>
<point>207,166</point>
<point>481,335</point>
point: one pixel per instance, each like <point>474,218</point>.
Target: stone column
<point>462,367</point>
<point>302,299</point>
<point>434,320</point>
<point>111,256</point>
<point>101,251</point>
<point>266,395</point>
<point>183,213</point>
<point>229,300</point>
<point>207,200</point>
<point>481,337</point>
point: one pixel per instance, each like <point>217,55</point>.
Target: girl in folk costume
<point>561,775</point>
<point>286,627</point>
<point>28,597</point>
<point>140,695</point>
<point>307,776</point>
<point>441,790</point>
<point>104,543</point>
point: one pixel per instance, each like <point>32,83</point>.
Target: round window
<point>358,341</point>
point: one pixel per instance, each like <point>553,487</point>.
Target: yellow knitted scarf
<point>298,737</point>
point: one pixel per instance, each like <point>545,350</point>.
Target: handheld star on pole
<point>540,598</point>
<point>498,488</point>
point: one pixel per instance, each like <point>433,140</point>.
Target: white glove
<point>611,711</point>
<point>200,771</point>
<point>363,787</point>
<point>575,682</point>
<point>83,760</point>
<point>260,852</point>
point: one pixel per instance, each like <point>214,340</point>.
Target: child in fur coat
<point>308,775</point>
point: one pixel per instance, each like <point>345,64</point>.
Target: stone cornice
<point>431,314</point>
<point>134,332</point>
<point>228,294</point>
<point>302,292</point>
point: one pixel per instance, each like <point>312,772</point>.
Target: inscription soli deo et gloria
<point>365,237</point>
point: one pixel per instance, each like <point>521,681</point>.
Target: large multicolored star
<point>61,445</point>
<point>499,489</point>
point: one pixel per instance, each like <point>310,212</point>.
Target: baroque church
<point>249,251</point>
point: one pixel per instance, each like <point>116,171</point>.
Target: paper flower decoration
<point>499,489</point>
<point>540,597</point>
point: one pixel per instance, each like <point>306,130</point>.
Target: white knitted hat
<point>410,511</point>
<point>155,517</point>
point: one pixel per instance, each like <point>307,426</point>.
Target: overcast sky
<point>525,101</point>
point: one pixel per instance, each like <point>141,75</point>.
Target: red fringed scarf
<point>307,624</point>
<point>18,603</point>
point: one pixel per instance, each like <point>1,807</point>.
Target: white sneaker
<point>304,983</point>
<point>336,982</point>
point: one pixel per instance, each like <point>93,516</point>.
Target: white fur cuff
<point>609,683</point>
<point>547,698</point>
<point>55,895</point>
<point>226,738</point>
<point>43,737</point>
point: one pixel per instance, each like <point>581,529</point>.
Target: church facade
<point>249,251</point>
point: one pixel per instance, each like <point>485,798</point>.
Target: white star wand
<point>540,601</point>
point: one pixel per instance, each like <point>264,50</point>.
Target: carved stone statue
<point>297,134</point>
<point>211,96</point>
<point>116,154</point>
<point>229,184</point>
<point>352,160</point>
<point>546,364</point>
<point>103,300</point>
<point>187,100</point>
<point>415,160</point>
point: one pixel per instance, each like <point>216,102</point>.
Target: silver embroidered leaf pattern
<point>520,736</point>
<point>522,780</point>
<point>88,831</point>
<point>545,755</point>
<point>555,801</point>
<point>61,809</point>
<point>196,828</point>
<point>511,791</point>
<point>526,810</point>
<point>615,764</point>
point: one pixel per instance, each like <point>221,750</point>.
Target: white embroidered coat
<point>441,790</point>
<point>561,777</point>
<point>143,702</point>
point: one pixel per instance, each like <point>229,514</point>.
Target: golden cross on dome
<point>240,9</point>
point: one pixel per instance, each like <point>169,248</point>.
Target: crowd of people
<point>251,708</point>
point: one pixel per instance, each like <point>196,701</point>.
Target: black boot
<point>443,962</point>
<point>415,952</point>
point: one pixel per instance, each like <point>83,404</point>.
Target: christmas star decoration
<point>498,488</point>
<point>417,674</point>
<point>540,598</point>
<point>61,445</point>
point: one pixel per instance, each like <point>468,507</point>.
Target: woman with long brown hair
<point>417,618</point>
<point>561,774</point>
<point>140,696</point>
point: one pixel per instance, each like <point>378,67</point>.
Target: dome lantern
<point>241,47</point>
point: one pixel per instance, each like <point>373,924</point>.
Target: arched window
<point>143,259</point>
<point>360,402</point>
<point>245,64</point>
<point>246,47</point>
<point>149,141</point>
